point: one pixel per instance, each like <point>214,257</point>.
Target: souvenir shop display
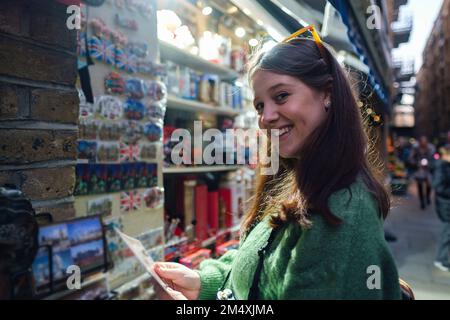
<point>125,172</point>
<point>120,133</point>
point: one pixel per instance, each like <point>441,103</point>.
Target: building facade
<point>432,101</point>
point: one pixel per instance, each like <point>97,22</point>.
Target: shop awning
<point>361,47</point>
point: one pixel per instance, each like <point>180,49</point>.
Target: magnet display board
<point>119,170</point>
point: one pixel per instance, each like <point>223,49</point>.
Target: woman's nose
<point>269,116</point>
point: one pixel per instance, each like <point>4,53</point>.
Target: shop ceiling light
<point>246,11</point>
<point>259,22</point>
<point>253,42</point>
<point>240,32</point>
<point>232,10</point>
<point>207,11</point>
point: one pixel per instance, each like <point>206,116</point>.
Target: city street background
<point>417,233</point>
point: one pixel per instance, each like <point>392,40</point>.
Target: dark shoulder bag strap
<point>254,290</point>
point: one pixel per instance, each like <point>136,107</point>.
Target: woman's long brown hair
<point>333,155</point>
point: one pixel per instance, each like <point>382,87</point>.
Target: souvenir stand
<point>119,170</point>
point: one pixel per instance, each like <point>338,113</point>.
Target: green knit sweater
<point>323,262</point>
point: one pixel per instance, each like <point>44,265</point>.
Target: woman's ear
<point>327,100</point>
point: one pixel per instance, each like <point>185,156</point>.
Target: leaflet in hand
<point>145,259</point>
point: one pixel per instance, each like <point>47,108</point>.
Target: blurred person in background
<point>441,184</point>
<point>422,159</point>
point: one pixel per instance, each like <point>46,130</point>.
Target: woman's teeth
<point>283,131</point>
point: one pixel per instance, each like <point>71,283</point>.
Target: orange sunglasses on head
<point>315,35</point>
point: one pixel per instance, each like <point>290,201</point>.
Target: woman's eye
<point>280,97</point>
<point>259,107</point>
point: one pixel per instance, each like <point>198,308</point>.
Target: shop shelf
<point>208,242</point>
<point>196,106</point>
<point>177,55</point>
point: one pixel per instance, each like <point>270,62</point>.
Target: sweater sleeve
<point>332,262</point>
<point>212,274</point>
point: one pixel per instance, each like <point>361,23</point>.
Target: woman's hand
<point>185,282</point>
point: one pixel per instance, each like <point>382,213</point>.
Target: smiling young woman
<point>315,228</point>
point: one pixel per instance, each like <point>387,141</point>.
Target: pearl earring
<point>327,105</point>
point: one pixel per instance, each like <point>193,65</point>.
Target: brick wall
<point>38,103</point>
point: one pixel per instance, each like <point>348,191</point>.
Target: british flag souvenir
<point>129,152</point>
<point>130,201</point>
<point>125,60</point>
<point>102,50</point>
